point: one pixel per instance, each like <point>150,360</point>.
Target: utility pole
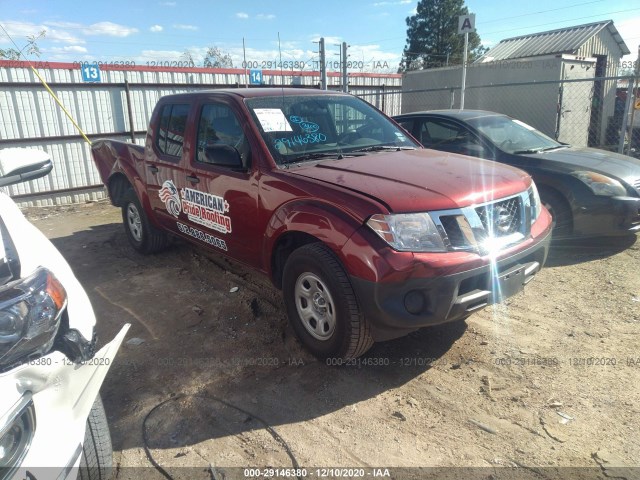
<point>633,86</point>
<point>466,24</point>
<point>323,64</point>
<point>345,78</point>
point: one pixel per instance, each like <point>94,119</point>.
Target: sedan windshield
<point>299,128</point>
<point>513,136</point>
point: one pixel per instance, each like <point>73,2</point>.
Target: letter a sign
<point>467,23</point>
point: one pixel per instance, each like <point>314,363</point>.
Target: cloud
<point>181,26</point>
<point>19,31</point>
<point>109,29</point>
<point>159,55</point>
<point>68,49</point>
<point>327,40</point>
<point>260,16</point>
<point>168,4</point>
<point>64,24</point>
<point>156,28</point>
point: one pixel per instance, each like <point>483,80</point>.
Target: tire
<point>96,462</point>
<point>142,235</point>
<point>560,213</point>
<point>322,306</point>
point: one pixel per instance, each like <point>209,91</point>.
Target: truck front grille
<point>487,227</point>
<point>501,218</point>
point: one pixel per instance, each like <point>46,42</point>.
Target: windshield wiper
<point>538,150</point>
<point>379,148</point>
<point>531,150</point>
<point>311,156</point>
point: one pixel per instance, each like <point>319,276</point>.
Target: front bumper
<point>55,395</point>
<point>607,216</point>
<point>396,308</point>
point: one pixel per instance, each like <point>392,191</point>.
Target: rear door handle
<point>193,179</point>
<point>153,168</point>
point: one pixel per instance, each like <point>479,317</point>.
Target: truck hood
<point>420,180</point>
<point>571,159</point>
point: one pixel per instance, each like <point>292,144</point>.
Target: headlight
<point>30,310</point>
<point>601,184</point>
<point>409,232</point>
<point>534,202</point>
<point>17,429</point>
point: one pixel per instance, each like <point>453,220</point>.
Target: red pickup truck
<point>368,235</point>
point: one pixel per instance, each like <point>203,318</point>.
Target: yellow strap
<point>44,82</point>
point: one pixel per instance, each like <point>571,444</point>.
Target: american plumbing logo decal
<point>200,207</point>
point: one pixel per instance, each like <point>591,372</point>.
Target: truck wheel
<point>560,213</point>
<point>143,236</point>
<point>97,454</point>
<point>322,306</point>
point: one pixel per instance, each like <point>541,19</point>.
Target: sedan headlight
<point>408,232</point>
<point>30,310</point>
<point>601,184</point>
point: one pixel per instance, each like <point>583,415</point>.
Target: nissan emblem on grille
<point>502,219</point>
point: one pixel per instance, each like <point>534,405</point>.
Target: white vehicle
<point>52,422</point>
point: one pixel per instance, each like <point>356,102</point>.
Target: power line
<point>373,42</point>
<point>563,21</point>
<point>541,11</point>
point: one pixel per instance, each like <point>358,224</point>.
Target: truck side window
<point>219,125</point>
<point>173,120</point>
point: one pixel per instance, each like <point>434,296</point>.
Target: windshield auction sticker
<point>273,120</point>
<point>202,208</point>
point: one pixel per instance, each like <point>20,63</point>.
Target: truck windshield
<point>310,127</point>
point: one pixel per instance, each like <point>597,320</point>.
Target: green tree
<point>433,39</point>
<point>31,48</point>
<point>216,58</point>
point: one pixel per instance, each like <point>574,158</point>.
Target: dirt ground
<point>549,379</point>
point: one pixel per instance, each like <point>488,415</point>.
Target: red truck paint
<point>305,224</point>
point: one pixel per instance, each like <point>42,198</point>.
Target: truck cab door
<point>220,200</point>
<point>166,154</point>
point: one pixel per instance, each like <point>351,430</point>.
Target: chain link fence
<point>585,112</point>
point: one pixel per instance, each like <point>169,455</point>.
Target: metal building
<point>559,81</point>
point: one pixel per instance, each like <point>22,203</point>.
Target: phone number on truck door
<point>202,236</point>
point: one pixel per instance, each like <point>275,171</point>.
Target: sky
<point>151,31</point>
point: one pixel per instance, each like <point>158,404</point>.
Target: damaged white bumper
<point>44,407</point>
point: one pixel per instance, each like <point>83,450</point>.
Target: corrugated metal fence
<point>119,107</point>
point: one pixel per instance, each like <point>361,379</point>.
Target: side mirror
<point>19,165</point>
<point>223,155</point>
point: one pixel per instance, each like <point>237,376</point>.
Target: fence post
<point>625,116</point>
<point>383,98</point>
<point>452,98</point>
<point>130,110</point>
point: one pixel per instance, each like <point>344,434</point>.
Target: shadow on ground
<point>215,364</point>
<point>574,251</point>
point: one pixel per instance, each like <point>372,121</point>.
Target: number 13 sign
<point>90,73</point>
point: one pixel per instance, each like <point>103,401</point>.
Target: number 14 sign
<point>255,76</point>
